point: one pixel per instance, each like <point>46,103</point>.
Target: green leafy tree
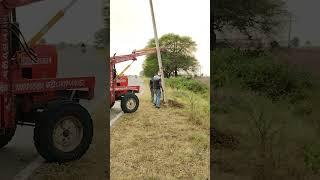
<point>100,38</point>
<point>248,16</point>
<point>308,43</point>
<point>178,55</point>
<point>295,42</point>
<point>106,14</point>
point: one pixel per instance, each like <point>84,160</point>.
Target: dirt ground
<point>158,144</point>
<point>91,166</point>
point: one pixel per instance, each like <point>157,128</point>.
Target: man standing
<point>151,89</point>
<point>157,87</point>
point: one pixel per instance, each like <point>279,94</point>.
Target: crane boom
<point>37,37</point>
<point>133,56</point>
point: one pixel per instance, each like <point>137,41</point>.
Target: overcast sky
<point>307,24</point>
<point>79,23</point>
<point>131,26</point>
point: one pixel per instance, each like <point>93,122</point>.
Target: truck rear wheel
<point>129,103</point>
<point>63,132</point>
<point>6,137</point>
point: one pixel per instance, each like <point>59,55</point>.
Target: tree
<point>295,42</point>
<point>248,16</point>
<point>141,73</point>
<point>106,15</point>
<point>308,43</point>
<point>178,55</point>
<point>100,38</point>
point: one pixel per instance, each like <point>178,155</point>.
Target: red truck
<point>32,95</point>
<point>119,86</point>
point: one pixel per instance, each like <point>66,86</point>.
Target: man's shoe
<point>157,107</point>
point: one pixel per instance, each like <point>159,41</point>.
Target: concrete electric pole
<point>158,50</point>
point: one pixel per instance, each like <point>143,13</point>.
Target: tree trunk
<point>213,40</point>
<point>175,71</point>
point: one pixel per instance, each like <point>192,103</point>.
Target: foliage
<point>295,42</point>
<point>262,73</point>
<point>106,13</point>
<point>312,157</point>
<point>178,55</point>
<point>308,43</point>
<point>187,84</point>
<point>101,38</point>
<point>248,17</point>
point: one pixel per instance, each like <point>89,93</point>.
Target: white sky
<point>78,24</point>
<point>131,27</point>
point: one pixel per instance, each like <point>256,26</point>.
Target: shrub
<point>312,157</point>
<point>187,84</point>
<point>260,72</point>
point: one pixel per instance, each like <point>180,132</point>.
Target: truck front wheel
<point>129,103</point>
<point>63,132</point>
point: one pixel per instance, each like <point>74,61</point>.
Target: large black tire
<point>52,138</point>
<point>6,137</point>
<point>129,103</point>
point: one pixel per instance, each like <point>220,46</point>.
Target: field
<point>266,111</point>
<point>167,143</point>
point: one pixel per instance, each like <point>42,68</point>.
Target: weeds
<point>193,108</point>
<point>312,157</point>
<point>265,74</point>
<point>182,83</point>
<point>270,107</point>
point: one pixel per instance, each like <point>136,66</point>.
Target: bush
<point>312,157</point>
<point>260,72</point>
<point>187,84</point>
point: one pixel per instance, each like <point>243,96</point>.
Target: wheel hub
<point>131,104</point>
<point>67,134</point>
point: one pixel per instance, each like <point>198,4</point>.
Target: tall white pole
<point>158,50</point>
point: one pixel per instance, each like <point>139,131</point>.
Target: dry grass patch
<point>91,166</point>
<point>159,144</point>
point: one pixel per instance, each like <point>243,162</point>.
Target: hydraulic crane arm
<point>123,58</point>
<point>36,38</point>
<point>133,56</point>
